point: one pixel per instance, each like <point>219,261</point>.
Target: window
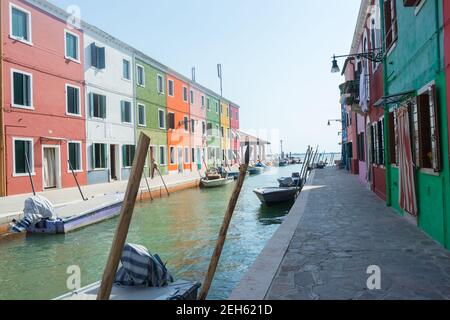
<point>140,76</point>
<point>22,84</point>
<point>171,120</point>
<point>160,84</point>
<point>193,155</point>
<point>208,104</point>
<point>429,155</point>
<point>162,156</point>
<point>361,146</point>
<point>185,94</point>
<point>171,93</point>
<point>142,121</point>
<point>20,24</point>
<point>237,115</point>
<point>126,70</point>
<point>97,56</point>
<point>390,23</point>
<point>377,142</point>
<point>23,151</point>
<point>173,156</point>
<point>203,101</point>
<point>231,114</point>
<point>192,97</point>
<point>97,107</point>
<point>222,133</point>
<point>186,155</point>
<point>98,156</point>
<point>209,129</point>
<point>125,108</point>
<point>192,125</point>
<point>203,128</point>
<point>72,46</point>
<point>73,100</point>
<point>217,107</point>
<point>393,138</point>
<point>228,133</point>
<point>74,149</point>
<point>217,130</point>
<point>221,109</point>
<point>186,124</point>
<point>128,155</point>
<point>161,119</point>
<point>228,111</point>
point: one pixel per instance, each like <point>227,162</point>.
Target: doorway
<point>50,167</point>
<point>112,161</point>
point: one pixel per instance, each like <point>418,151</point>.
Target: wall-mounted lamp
<point>375,55</point>
<point>333,120</point>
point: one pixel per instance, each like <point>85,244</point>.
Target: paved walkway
<point>11,207</point>
<point>341,230</point>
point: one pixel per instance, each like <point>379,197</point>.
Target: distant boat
<point>272,195</point>
<point>214,182</point>
<point>255,170</point>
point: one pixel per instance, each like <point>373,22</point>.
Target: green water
<point>182,229</point>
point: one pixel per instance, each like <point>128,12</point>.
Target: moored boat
<point>255,170</point>
<point>214,183</point>
<point>270,195</point>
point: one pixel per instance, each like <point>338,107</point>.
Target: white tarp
<point>37,208</point>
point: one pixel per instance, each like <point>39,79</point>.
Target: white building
<point>110,108</point>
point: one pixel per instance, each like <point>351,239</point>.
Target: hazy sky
<point>276,55</point>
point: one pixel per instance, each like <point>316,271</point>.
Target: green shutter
<point>18,89</point>
<point>94,55</point>
<point>91,104</point>
<point>103,107</point>
<point>19,155</point>
<point>101,55</point>
<point>124,156</point>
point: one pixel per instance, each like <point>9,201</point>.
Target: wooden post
<point>224,229</point>
<point>148,186</point>
<point>125,218</point>
<point>2,124</point>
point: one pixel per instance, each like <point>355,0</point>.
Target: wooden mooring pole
<point>224,229</point>
<point>125,219</point>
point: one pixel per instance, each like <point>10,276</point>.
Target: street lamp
<point>333,120</point>
<point>375,55</point>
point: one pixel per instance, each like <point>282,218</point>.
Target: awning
<point>395,98</point>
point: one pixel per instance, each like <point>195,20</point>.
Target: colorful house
<point>198,127</point>
<point>43,97</point>
<point>110,112</point>
<point>235,143</point>
<point>2,127</point>
<point>225,131</point>
<point>178,123</point>
<point>415,114</point>
<point>214,140</point>
<point>151,110</point>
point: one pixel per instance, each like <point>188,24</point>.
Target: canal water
<point>182,229</point>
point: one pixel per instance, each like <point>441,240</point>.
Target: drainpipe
<point>2,124</point>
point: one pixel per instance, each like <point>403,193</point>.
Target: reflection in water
<point>182,229</point>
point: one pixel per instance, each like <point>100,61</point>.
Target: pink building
<point>43,103</point>
<point>198,127</point>
<point>234,124</point>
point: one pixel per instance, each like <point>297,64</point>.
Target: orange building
<point>178,125</point>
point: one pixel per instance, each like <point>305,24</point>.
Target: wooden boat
<point>179,290</point>
<point>214,183</point>
<point>270,195</point>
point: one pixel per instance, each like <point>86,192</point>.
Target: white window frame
<point>145,115</point>
<point>131,113</point>
<point>143,75</point>
<point>33,172</point>
<point>79,101</point>
<point>185,90</point>
<point>164,118</point>
<point>121,156</point>
<point>29,25</point>
<point>160,90</point>
<point>188,159</point>
<point>168,88</point>
<point>129,70</point>
<point>81,156</point>
<point>165,155</point>
<point>106,107</point>
<point>31,107</point>
<point>107,151</point>
<point>78,46</point>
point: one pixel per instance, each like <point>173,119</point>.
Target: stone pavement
<point>343,229</point>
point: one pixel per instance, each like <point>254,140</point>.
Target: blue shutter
<point>101,55</point>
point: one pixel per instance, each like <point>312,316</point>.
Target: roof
<point>360,24</point>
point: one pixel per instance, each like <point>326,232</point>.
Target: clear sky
<point>276,55</point>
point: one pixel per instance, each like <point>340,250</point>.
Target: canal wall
<point>257,281</point>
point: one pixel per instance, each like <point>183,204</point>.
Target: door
<point>112,159</point>
<point>180,160</point>
<point>50,168</point>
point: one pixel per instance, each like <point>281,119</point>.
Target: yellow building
<point>225,130</point>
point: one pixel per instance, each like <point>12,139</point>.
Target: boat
<point>214,183</point>
<point>255,170</point>
<point>179,290</point>
<point>271,195</point>
<point>235,174</point>
<point>283,163</point>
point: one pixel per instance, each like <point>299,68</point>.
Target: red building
<point>234,124</point>
<point>43,102</point>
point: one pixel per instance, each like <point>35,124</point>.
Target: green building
<point>414,85</point>
<point>151,111</point>
<point>214,139</point>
